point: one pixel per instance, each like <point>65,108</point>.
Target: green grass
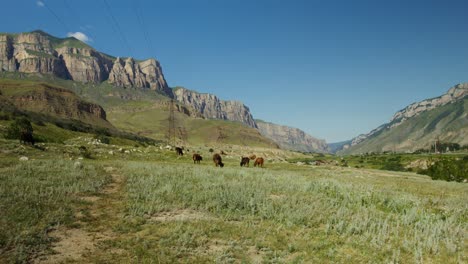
<point>36,197</point>
<point>173,211</point>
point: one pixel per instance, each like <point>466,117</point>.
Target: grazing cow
<point>196,158</point>
<point>259,162</point>
<point>179,151</point>
<point>252,157</point>
<point>244,161</point>
<point>218,160</point>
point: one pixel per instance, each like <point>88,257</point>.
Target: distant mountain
<point>444,118</point>
<point>291,138</point>
<point>73,80</point>
<point>211,107</point>
<point>335,147</point>
<point>69,58</point>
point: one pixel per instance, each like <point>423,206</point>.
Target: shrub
<point>448,170</point>
<point>85,152</point>
<point>103,139</point>
<point>21,129</point>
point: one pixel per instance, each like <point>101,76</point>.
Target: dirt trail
<point>94,224</point>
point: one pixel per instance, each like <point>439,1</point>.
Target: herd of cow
<point>218,160</point>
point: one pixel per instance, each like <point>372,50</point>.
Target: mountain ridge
<point>38,52</point>
<point>69,58</point>
<point>439,114</point>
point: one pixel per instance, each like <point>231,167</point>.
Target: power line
<point>56,16</point>
<point>122,36</point>
<point>139,16</point>
<point>72,11</point>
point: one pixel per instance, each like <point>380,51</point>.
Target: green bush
<point>21,129</point>
<point>448,170</point>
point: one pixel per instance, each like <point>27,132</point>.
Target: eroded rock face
<point>59,102</point>
<point>144,74</point>
<point>85,64</point>
<point>38,52</point>
<point>292,138</point>
<point>210,106</point>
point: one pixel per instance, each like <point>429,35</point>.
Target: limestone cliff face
<point>210,106</point>
<point>69,58</point>
<point>145,74</point>
<point>85,64</point>
<point>292,138</point>
<point>454,94</point>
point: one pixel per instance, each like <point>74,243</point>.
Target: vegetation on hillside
<point>445,124</point>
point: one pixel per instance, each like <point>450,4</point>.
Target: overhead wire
<point>119,29</point>
<point>56,16</point>
<point>74,14</point>
<point>140,19</point>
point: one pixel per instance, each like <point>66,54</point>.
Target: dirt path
<point>93,223</point>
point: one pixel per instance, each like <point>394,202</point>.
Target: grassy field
<point>146,205</point>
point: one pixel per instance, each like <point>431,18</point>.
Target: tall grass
<point>35,197</point>
<point>388,224</point>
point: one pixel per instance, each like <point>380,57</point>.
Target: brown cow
<point>244,161</point>
<point>218,160</point>
<point>259,162</point>
<point>252,157</point>
<point>196,158</point>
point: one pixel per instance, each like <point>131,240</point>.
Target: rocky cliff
<point>210,106</point>
<point>292,138</point>
<point>69,58</point>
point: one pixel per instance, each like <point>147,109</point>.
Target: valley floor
<point>169,210</point>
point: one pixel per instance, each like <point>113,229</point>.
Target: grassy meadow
<point>143,204</point>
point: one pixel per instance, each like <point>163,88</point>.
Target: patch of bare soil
<point>255,255</point>
<point>181,215</point>
<point>75,243</point>
<point>72,244</point>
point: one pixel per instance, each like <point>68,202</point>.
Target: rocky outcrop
<point>292,138</point>
<point>144,74</point>
<point>85,64</point>
<point>69,58</point>
<point>210,106</point>
<point>53,101</point>
<point>59,102</point>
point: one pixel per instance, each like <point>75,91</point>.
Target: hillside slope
<point>50,100</point>
<point>417,126</point>
<point>134,93</point>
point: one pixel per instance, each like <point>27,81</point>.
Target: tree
<point>21,129</point>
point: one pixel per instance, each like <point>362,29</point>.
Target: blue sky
<point>335,69</point>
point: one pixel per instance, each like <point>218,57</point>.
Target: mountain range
<point>134,94</point>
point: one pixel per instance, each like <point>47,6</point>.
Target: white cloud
<point>80,36</point>
<point>40,4</point>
